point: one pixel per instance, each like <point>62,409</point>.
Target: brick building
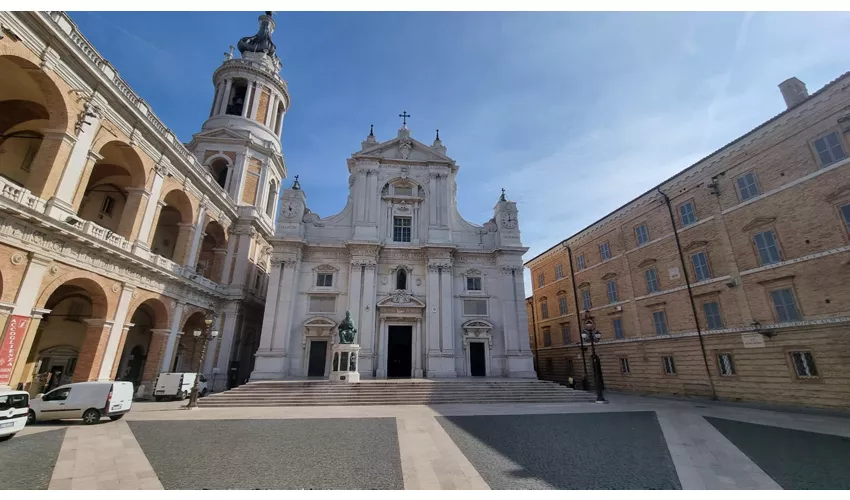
<point>118,241</point>
<point>731,278</point>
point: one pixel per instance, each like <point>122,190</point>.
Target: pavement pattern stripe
<point>27,460</point>
<point>705,459</point>
<point>430,460</point>
<point>566,451</point>
<point>795,459</point>
<point>102,457</point>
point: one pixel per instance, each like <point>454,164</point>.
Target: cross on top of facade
<point>404,116</point>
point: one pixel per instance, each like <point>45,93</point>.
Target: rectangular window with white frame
<point>700,263</point>
<point>725,365</point>
<point>618,328</point>
<point>651,280</point>
<point>540,280</point>
<point>768,250</point>
<point>747,186</point>
<point>559,272</point>
<point>687,213</point>
<point>669,365</point>
<point>605,251</point>
<point>544,309</point>
<point>580,262</point>
<point>473,284</point>
<point>642,234</point>
<point>804,364</point>
<point>624,366</point>
<point>829,149</point>
<point>713,319</point>
<point>401,229</point>
<point>475,307</point>
<point>562,304</point>
<point>322,304</point>
<point>612,291</point>
<point>659,320</point>
<point>585,295</point>
<point>784,305</point>
<point>324,279</point>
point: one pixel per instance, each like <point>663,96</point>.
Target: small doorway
<point>399,351</point>
<point>477,363</point>
<point>318,357</point>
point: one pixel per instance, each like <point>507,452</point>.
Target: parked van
<point>14,406</point>
<point>178,386</point>
<point>87,400</point>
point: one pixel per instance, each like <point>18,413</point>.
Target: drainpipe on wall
<point>690,292</point>
<point>584,382</point>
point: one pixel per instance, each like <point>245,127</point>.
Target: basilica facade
<point>431,294</point>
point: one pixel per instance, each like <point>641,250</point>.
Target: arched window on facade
<point>401,280</point>
<point>271,198</point>
<point>219,169</point>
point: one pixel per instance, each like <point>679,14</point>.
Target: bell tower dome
<point>250,94</point>
<point>239,144</point>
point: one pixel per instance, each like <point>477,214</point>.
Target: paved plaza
<point>632,443</point>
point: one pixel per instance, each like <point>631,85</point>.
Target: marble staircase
<point>396,392</point>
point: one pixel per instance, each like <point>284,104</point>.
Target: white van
<point>178,386</point>
<point>14,406</point>
<point>87,400</point>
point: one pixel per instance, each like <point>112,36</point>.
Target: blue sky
<point>573,113</point>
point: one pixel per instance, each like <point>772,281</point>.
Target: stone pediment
<point>758,222</point>
<point>403,148</point>
<point>401,298</point>
<point>220,133</point>
<point>319,322</point>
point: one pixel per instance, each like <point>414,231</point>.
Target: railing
<point>167,264</point>
<point>20,195</point>
<point>107,235</point>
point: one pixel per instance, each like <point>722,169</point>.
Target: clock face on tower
<point>291,209</point>
<point>508,220</point>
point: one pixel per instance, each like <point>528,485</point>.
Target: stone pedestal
<point>344,364</point>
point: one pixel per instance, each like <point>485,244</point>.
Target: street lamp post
<point>207,336</point>
<point>589,332</point>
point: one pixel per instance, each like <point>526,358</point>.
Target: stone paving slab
<point>27,461</point>
<point>624,450</point>
<point>296,454</point>
<point>795,459</point>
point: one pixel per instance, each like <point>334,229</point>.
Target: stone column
<point>199,234</point>
<point>518,358</point>
<point>117,360</point>
<point>270,113</point>
<point>432,199</point>
<point>271,357</point>
<point>25,302</point>
<point>219,254</point>
<point>245,108</point>
<point>181,246</point>
<point>225,97</point>
<point>258,91</point>
<point>74,168</point>
<point>448,334</point>
<point>144,245</point>
<point>137,200</point>
<point>262,189</point>
<point>54,151</point>
<point>83,181</point>
<point>173,333</point>
<point>91,354</point>
<point>227,335</point>
<point>381,355</point>
<point>224,279</point>
<point>115,333</point>
<point>156,350</point>
<point>152,208</point>
<point>238,181</point>
<point>417,349</point>
<point>432,319</point>
<point>366,326</point>
<point>240,269</point>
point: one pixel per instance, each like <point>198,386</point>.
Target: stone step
<point>392,398</point>
<point>374,403</point>
<point>391,391</point>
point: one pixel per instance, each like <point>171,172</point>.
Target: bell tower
<point>240,141</point>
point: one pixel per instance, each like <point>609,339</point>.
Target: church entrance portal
<point>318,357</point>
<point>477,365</point>
<point>399,351</point>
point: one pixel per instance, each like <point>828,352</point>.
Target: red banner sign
<point>16,330</point>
